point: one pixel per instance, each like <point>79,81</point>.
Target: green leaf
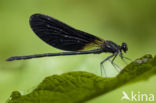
<point>78,87</point>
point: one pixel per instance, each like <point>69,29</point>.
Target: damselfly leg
<point>102,66</point>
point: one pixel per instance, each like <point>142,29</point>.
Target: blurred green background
<point>130,21</point>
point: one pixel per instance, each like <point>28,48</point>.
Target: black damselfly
<point>64,37</point>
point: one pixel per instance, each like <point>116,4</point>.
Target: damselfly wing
<point>62,36</point>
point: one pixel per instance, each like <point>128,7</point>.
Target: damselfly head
<point>124,47</point>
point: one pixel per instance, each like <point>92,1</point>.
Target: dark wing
<point>60,35</point>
